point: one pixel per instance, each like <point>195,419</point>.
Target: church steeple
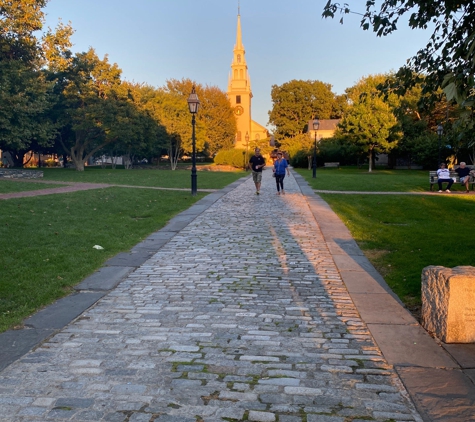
<point>238,44</point>
<point>239,88</point>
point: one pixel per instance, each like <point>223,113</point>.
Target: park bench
<point>433,178</point>
<point>327,165</point>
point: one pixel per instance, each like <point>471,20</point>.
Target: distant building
<point>326,129</point>
<point>240,96</point>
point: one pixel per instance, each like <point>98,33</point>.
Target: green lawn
<point>402,234</point>
<point>180,178</point>
<point>9,186</point>
<point>47,241</point>
<point>354,179</point>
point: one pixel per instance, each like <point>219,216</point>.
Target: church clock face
<point>238,111</point>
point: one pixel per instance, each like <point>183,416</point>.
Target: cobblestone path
<point>242,316</point>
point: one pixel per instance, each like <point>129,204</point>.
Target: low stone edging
<point>20,174</point>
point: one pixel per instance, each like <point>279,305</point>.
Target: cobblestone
<point>242,315</point>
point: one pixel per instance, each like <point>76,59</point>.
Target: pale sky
<point>155,40</point>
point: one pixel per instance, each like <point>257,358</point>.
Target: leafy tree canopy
<point>369,122</point>
<point>25,98</point>
<point>216,123</point>
<point>18,22</point>
<point>296,102</point>
<point>447,60</point>
<point>92,104</point>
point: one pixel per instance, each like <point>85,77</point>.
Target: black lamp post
<point>193,104</point>
<point>440,131</point>
<point>316,124</point>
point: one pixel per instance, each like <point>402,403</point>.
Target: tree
<point>55,48</point>
<point>142,134</point>
<point>448,59</point>
<point>218,117</point>
<point>370,122</point>
<point>171,111</point>
<point>216,122</point>
<point>296,102</point>
<point>24,105</point>
<point>92,110</point>
<point>302,142</point>
<point>24,91</point>
<point>19,20</point>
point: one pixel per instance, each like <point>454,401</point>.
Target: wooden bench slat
<point>331,164</point>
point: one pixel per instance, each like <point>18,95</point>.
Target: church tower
<point>239,90</point>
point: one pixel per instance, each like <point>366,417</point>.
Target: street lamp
<point>247,147</point>
<point>193,104</point>
<point>440,131</point>
<point>316,124</point>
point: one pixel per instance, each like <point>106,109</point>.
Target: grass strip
<point>153,177</point>
<point>380,180</point>
<point>9,186</point>
<point>402,234</point>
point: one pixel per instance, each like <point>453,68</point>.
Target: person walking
<point>280,168</point>
<point>257,163</point>
<point>443,176</point>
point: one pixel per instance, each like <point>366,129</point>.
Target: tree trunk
<point>76,158</point>
<point>128,160</point>
<point>17,157</point>
<point>114,159</point>
<point>370,160</point>
<point>79,165</point>
<point>174,154</point>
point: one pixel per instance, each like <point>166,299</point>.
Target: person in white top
<point>443,176</point>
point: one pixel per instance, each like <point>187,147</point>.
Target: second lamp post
<point>193,104</point>
<point>316,124</point>
<point>440,131</point>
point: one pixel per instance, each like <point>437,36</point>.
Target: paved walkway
<point>247,307</point>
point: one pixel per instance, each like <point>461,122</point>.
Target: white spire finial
<point>239,7</point>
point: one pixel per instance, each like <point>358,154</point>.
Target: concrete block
<point>448,303</point>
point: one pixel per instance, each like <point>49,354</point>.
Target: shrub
<point>232,157</point>
<point>337,150</point>
<point>299,159</point>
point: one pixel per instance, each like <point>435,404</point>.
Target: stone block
<point>448,303</point>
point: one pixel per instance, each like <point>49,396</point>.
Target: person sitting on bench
<point>464,175</point>
<point>443,176</point>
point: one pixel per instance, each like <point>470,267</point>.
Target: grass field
<point>402,234</point>
<point>47,241</point>
<point>180,178</point>
<point>8,186</point>
<point>355,179</point>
